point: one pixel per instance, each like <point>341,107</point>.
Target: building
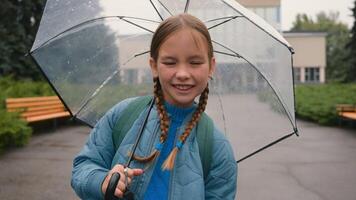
<point>310,47</point>
<point>310,56</point>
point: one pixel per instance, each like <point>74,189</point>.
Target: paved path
<point>319,165</point>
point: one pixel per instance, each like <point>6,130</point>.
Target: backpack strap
<point>128,117</point>
<point>205,130</point>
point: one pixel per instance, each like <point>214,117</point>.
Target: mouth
<point>183,87</point>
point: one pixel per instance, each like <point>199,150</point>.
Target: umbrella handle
<point>110,190</point>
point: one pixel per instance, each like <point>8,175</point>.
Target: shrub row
<point>318,102</point>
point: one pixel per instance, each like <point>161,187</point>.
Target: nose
<point>182,72</point>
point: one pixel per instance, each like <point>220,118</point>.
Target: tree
<point>337,38</point>
<point>351,46</point>
<point>19,21</point>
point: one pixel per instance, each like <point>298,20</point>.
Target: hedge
<point>318,102</point>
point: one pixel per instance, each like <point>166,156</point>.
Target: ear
<point>212,67</point>
<point>153,65</point>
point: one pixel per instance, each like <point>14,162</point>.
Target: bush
<point>10,88</point>
<point>318,102</point>
<point>14,132</point>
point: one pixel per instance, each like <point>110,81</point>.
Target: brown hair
<point>175,23</point>
<point>165,29</point>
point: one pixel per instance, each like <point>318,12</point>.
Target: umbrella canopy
<point>95,54</point>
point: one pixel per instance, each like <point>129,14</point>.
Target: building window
<point>312,74</point>
<point>270,14</point>
<point>297,77</point>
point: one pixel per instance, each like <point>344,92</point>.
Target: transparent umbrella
<point>95,54</point>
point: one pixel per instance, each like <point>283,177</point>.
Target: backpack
<point>205,128</point>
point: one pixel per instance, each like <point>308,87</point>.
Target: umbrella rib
<point>160,16</point>
<point>264,30</point>
<point>268,145</point>
<point>234,53</point>
<point>137,25</point>
<point>231,18</point>
<point>50,83</point>
<point>149,20</point>
<point>140,54</point>
<point>83,23</point>
<point>186,6</point>
<point>227,17</point>
<point>223,112</point>
<point>95,92</point>
<point>104,83</point>
<point>224,53</point>
<point>263,76</point>
<point>165,7</point>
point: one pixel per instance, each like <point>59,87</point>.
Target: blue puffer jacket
<point>98,156</point>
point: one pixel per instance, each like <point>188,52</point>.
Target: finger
<point>118,168</point>
<point>137,172</point>
<point>119,193</point>
<point>134,172</point>
<point>129,181</point>
<point>121,186</point>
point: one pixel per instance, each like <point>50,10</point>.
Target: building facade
<point>310,47</point>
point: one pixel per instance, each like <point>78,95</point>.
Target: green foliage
<point>13,132</point>
<point>351,46</point>
<point>19,21</point>
<point>318,102</point>
<point>9,88</point>
<point>338,67</point>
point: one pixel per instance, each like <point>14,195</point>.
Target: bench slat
<point>33,104</point>
<point>38,108</point>
<point>31,99</point>
<point>34,109</point>
<point>50,116</point>
<point>41,112</point>
<point>350,115</point>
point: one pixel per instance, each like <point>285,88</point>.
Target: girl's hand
<point>121,187</point>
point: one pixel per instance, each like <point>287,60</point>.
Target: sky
<point>290,8</point>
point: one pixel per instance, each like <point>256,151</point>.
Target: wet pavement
<point>319,165</point>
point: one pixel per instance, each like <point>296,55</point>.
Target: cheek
<point>165,74</point>
<point>203,74</point>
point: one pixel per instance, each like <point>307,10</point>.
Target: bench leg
<point>54,124</point>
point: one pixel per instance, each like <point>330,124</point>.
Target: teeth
<point>183,87</point>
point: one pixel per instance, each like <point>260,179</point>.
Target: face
<point>183,67</point>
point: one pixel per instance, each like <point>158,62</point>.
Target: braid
<point>164,126</point>
<point>203,100</point>
<point>164,121</point>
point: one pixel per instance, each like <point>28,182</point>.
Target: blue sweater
<point>159,183</point>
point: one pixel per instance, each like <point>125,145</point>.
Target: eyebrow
<point>196,57</point>
<point>190,57</point>
<point>168,58</point>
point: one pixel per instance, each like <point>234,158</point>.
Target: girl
<point>181,63</point>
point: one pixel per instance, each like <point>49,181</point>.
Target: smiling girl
<point>181,62</point>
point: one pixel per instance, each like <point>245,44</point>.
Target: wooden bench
<point>346,111</point>
<point>33,109</point>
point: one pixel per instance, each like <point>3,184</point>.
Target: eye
<point>169,63</point>
<point>196,62</point>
